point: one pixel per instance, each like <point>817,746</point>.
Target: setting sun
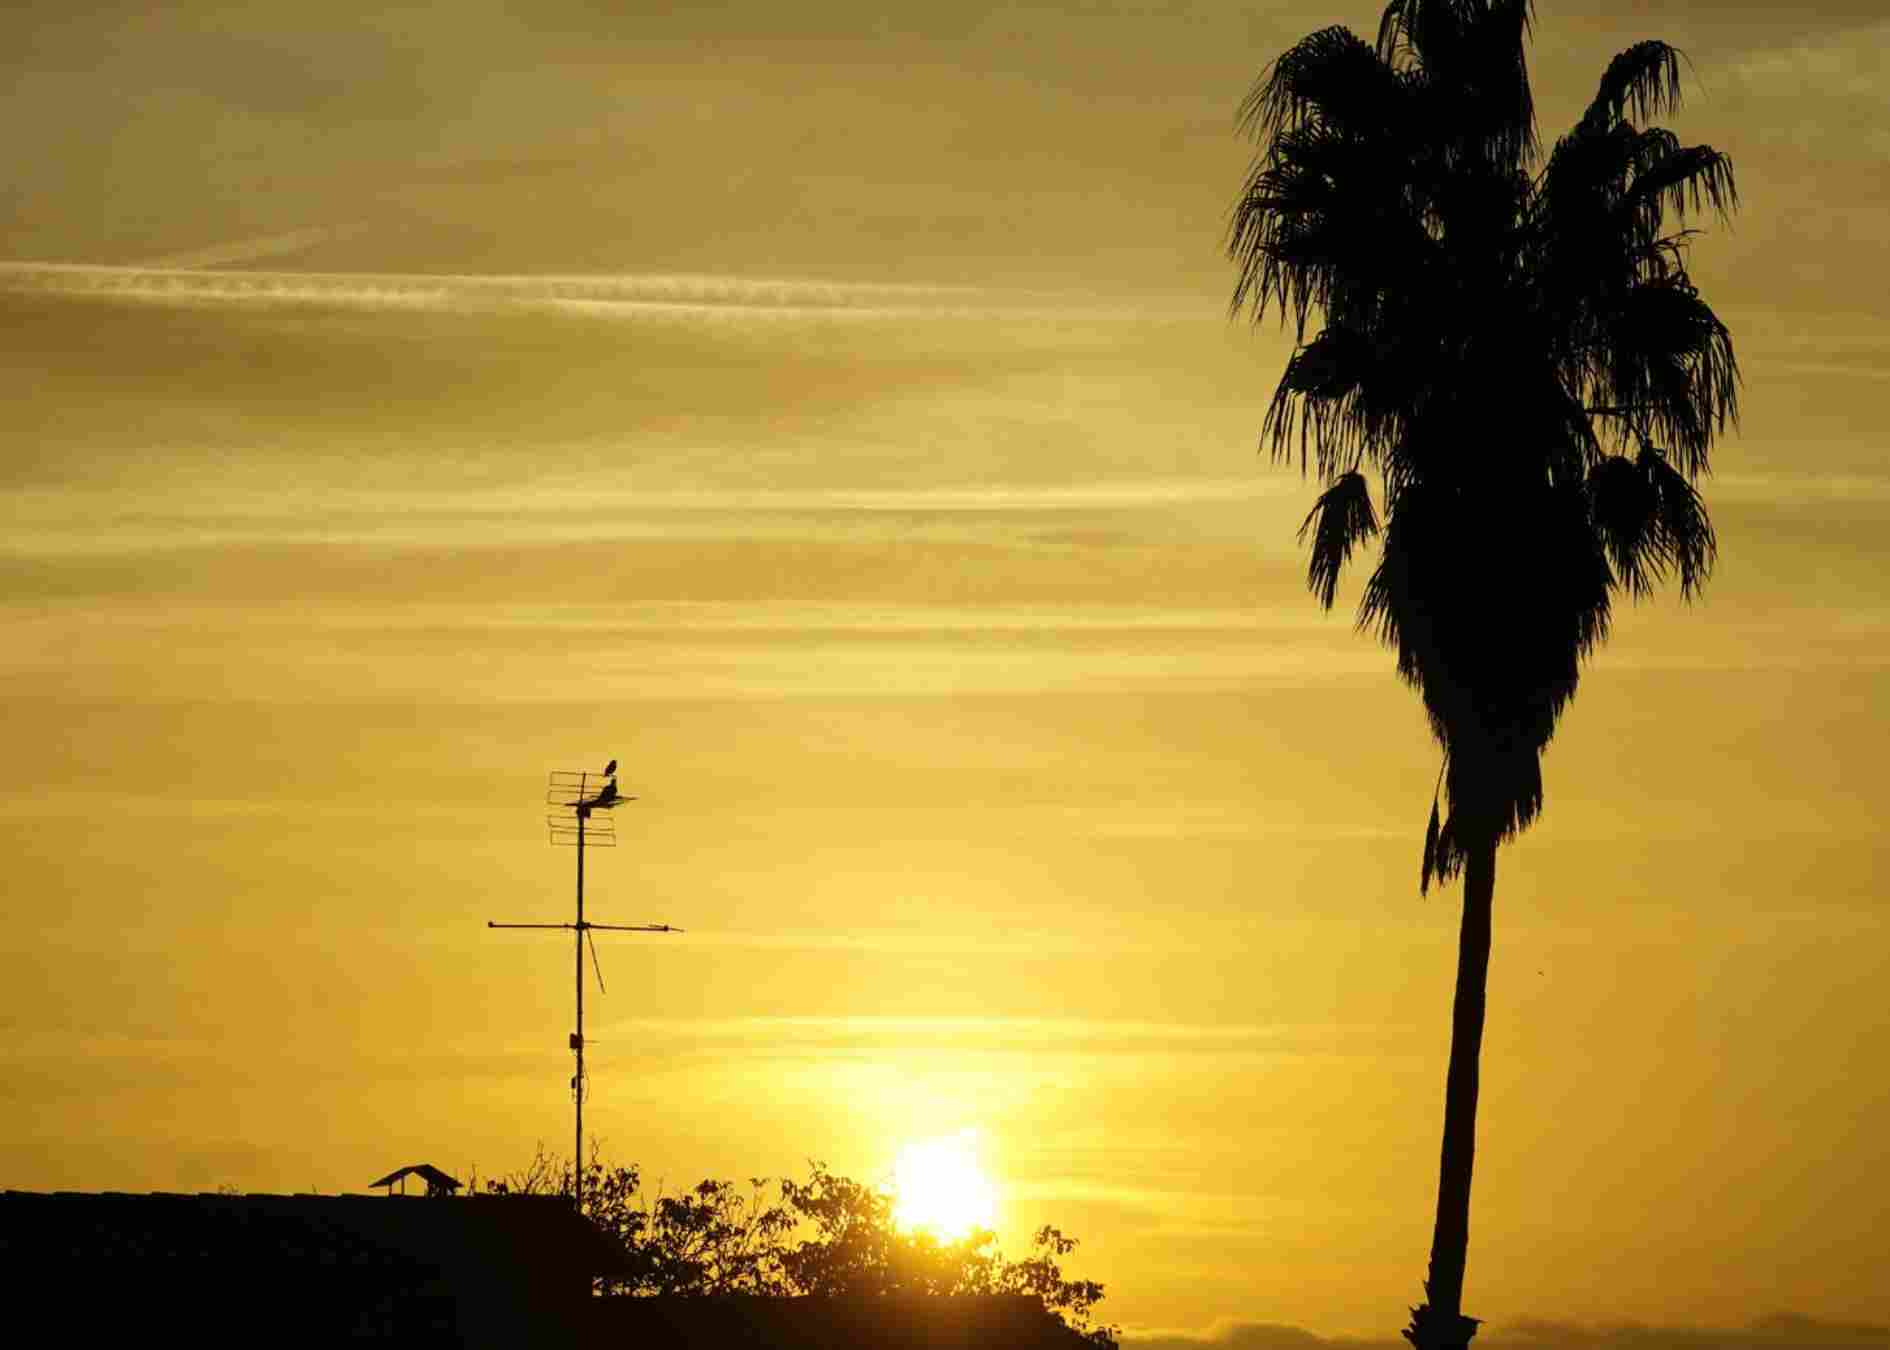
<point>938,1185</point>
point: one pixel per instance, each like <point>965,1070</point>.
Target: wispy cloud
<point>1840,63</point>
<point>248,250</point>
<point>179,279</point>
<point>1873,489</point>
<point>990,1033</point>
<point>85,520</point>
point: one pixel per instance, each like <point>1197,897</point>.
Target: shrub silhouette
<point>826,1235</point>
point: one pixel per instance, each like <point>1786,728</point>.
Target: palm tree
<point>1512,347</point>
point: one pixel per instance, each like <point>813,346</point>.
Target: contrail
<point>185,280</point>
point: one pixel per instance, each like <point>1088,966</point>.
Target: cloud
<point>1782,1331</point>
<point>1863,491</point>
<point>1817,87</point>
<point>1005,1034</point>
<point>248,250</point>
<point>179,279</point>
<point>547,513</point>
<point>1845,63</point>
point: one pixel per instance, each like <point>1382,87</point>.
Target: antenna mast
<point>573,803</point>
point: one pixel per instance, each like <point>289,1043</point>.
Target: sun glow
<point>938,1185</point>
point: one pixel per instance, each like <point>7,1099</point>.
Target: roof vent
<point>438,1183</point>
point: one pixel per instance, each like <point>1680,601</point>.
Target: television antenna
<point>577,807</point>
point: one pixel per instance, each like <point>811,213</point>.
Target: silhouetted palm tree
<point>1513,347</point>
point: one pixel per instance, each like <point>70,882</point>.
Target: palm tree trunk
<point>1440,1324</point>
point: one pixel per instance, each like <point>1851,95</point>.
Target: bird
<point>610,768</point>
<point>607,797</point>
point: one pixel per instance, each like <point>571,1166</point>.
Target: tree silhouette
<point>853,1246</point>
<point>1512,347</point>
<point>825,1236</point>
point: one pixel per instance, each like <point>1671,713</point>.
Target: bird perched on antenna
<point>606,797</point>
<point>610,769</point>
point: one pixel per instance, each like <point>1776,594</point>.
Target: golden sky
<point>831,412</point>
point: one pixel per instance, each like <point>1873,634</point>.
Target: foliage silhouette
<point>827,1235</point>
<point>1513,347</point>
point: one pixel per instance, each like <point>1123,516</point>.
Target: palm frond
<point>1323,221</point>
<point>1685,529</point>
<point>1641,82</point>
<point>1394,41</point>
<point>1645,148</point>
<point>1319,113</point>
<point>1429,867</point>
<point>1622,503</point>
<point>1652,523</point>
<point>1378,608</point>
<point>1572,446</point>
<point>1330,366</point>
<point>1593,170</point>
<point>1471,55</point>
<point>1433,31</point>
<point>1339,522</point>
<point>1275,235</point>
<point>1331,76</point>
<point>1662,258</point>
<point>1320,375</point>
<point>1437,848</point>
<point>1346,397</point>
<point>1670,365</point>
<point>1682,180</point>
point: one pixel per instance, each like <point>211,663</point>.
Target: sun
<point>938,1185</point>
